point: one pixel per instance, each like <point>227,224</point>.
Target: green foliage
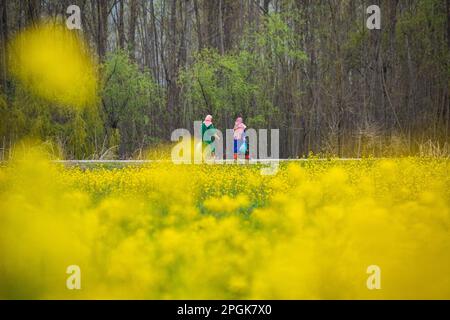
<point>29,117</point>
<point>280,39</point>
<point>417,27</point>
<point>221,85</point>
<point>129,96</point>
<point>243,82</point>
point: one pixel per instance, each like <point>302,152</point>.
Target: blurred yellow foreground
<point>193,232</point>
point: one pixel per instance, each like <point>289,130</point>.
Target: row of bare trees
<point>353,92</point>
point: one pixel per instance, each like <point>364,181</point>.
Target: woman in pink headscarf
<point>239,137</point>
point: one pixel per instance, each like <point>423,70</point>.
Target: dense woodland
<point>308,67</point>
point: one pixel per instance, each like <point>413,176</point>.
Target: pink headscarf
<point>208,120</point>
<point>239,128</point>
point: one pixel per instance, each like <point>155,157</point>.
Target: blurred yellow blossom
<point>164,231</point>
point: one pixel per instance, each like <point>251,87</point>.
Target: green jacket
<point>210,136</point>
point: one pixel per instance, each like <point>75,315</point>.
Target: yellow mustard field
<point>165,231</point>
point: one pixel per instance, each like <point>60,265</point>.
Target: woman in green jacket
<point>209,134</point>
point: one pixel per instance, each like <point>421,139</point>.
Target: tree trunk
<point>155,47</point>
<point>4,40</point>
<point>172,98</point>
<point>33,11</point>
<point>199,26</point>
<point>448,24</point>
<point>132,29</point>
<point>230,20</point>
<point>102,28</point>
<point>121,24</point>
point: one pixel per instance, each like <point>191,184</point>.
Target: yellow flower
<point>164,231</point>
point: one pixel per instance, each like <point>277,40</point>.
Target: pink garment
<point>208,120</point>
<point>239,128</point>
